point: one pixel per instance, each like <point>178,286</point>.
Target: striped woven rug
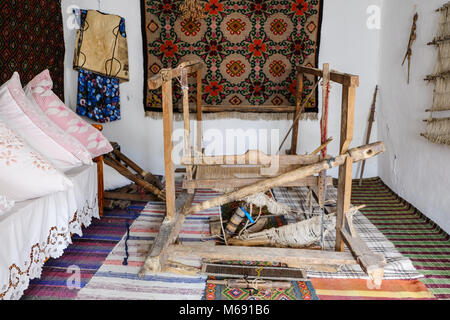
<point>413,234</point>
<point>86,253</point>
<point>115,281</point>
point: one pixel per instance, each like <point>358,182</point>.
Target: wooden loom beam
<point>243,182</point>
<point>168,148</point>
<point>298,106</point>
<point>357,154</point>
<point>345,171</point>
<point>294,258</point>
<point>338,77</point>
<point>253,157</point>
<point>129,175</point>
<point>167,235</point>
<point>168,74</point>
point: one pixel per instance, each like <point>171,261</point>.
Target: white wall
<point>347,44</point>
<point>416,169</point>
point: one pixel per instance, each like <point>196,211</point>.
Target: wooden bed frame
<point>295,170</point>
<point>100,182</point>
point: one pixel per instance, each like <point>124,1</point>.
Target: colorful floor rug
<point>300,290</point>
<point>250,49</point>
<point>413,234</point>
<point>85,254</point>
<point>117,281</point>
<point>358,289</point>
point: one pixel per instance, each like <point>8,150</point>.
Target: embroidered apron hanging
<point>101,45</point>
<point>101,56</point>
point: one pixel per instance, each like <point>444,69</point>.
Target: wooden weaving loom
<point>294,170</point>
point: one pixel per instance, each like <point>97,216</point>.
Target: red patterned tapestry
<point>32,40</point>
<point>250,49</point>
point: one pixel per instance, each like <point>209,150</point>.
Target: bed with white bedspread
<point>38,229</point>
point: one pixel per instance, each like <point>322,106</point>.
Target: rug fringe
<point>237,115</point>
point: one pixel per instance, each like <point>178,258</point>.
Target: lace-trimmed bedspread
<point>39,229</point>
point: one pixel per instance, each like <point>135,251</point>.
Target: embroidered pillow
<point>5,205</point>
<point>24,173</point>
<point>28,121</point>
<point>40,89</point>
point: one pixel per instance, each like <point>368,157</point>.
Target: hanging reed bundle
<point>438,131</point>
<point>444,24</point>
<point>443,61</point>
<point>441,100</point>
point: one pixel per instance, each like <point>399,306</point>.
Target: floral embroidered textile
<point>98,97</point>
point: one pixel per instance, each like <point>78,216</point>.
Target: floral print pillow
<point>40,90</point>
<point>24,173</point>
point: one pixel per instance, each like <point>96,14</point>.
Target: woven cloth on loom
<point>250,50</point>
<point>398,266</point>
<point>32,41</point>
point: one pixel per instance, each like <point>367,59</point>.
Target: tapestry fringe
<point>237,115</point>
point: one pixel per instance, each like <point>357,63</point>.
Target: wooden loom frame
<point>306,167</point>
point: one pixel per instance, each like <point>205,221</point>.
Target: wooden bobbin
<point>235,221</point>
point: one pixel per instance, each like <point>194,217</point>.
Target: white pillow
<point>24,173</point>
<point>112,179</point>
<point>31,124</point>
<point>5,205</point>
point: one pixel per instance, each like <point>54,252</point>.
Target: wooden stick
<point>298,109</point>
<point>100,179</point>
<point>299,114</point>
<point>147,176</point>
<point>128,196</point>
<point>168,148</point>
<point>291,257</point>
<point>356,154</point>
<point>345,171</point>
<point>342,78</point>
<point>252,157</point>
<point>324,145</point>
<point>126,173</point>
<point>369,130</point>
<point>199,111</point>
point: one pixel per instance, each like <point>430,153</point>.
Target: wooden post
<point>298,107</point>
<point>358,154</point>
<point>199,111</point>
<point>168,147</point>
<point>187,124</point>
<point>100,183</point>
<point>324,123</point>
<point>345,171</point>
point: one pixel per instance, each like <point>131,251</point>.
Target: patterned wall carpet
<point>32,40</point>
<point>250,48</point>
